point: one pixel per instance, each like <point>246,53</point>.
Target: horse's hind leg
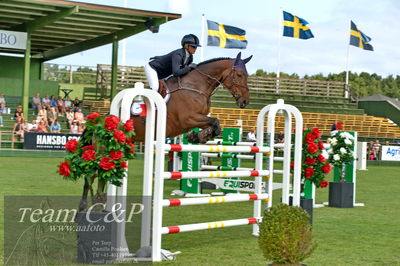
<point>206,133</point>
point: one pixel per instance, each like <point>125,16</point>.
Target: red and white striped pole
<point>214,174</point>
<point>215,148</point>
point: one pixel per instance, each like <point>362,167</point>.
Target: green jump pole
<point>26,77</point>
<point>114,68</point>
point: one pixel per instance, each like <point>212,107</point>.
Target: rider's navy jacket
<point>172,63</point>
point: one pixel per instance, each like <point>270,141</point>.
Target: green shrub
<point>285,235</point>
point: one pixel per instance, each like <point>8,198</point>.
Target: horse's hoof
<point>193,137</point>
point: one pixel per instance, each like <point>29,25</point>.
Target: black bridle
<point>222,82</point>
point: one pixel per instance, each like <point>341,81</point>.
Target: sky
<point>329,21</point>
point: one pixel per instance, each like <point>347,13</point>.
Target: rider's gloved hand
<point>193,65</point>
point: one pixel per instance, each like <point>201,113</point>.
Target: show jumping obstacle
<point>152,228</point>
<point>230,162</point>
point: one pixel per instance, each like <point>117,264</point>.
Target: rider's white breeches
<point>152,77</point>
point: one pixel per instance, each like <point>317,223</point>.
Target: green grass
<point>367,235</point>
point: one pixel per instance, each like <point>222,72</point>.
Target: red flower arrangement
<point>315,166</point>
<point>106,158</point>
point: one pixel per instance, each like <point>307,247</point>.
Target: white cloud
<point>179,6</point>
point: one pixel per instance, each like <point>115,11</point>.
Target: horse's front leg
<point>210,129</point>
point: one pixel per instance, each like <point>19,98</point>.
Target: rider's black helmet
<point>191,40</point>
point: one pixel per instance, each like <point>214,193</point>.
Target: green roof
<point>59,28</point>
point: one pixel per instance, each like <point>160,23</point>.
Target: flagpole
<point>347,68</point>
<point>202,38</point>
<point>278,68</point>
<point>123,61</point>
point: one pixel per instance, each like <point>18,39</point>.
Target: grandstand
<point>322,104</point>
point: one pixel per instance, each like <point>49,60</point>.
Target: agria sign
<point>13,39</point>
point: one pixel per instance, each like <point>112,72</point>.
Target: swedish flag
<point>295,27</point>
<point>225,36</point>
<point>359,39</point>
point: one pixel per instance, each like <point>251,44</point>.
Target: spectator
<point>339,126</point>
<point>55,127</point>
<point>70,118</point>
<point>53,101</point>
<point>251,136</point>
<point>46,102</point>
<point>370,150</point>
<point>42,127</point>
<point>376,148</point>
<point>42,114</point>
<point>387,143</point>
<point>79,116</point>
<point>25,125</point>
<point>74,128</point>
<point>67,104</point>
<point>18,129</point>
<point>2,100</point>
<point>36,102</point>
<point>3,108</point>
<point>75,104</point>
<point>81,128</point>
<point>32,126</point>
<point>372,155</point>
<point>51,115</point>
<point>2,111</point>
<point>281,137</point>
<point>60,106</point>
<point>18,113</point>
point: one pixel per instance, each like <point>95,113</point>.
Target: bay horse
<point>190,98</point>
<point>189,105</point>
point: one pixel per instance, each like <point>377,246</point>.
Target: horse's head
<point>236,81</point>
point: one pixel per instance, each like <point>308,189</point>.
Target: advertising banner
<point>391,153</point>
<point>13,39</point>
<point>47,141</point>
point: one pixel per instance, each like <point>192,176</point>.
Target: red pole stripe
<point>252,220</point>
<point>173,229</point>
<point>176,175</point>
<point>253,196</point>
<point>254,173</point>
<point>174,202</point>
<point>254,149</point>
<point>176,147</point>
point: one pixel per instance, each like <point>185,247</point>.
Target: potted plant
<point>314,168</point>
<point>285,235</point>
<point>340,154</point>
<point>102,152</point>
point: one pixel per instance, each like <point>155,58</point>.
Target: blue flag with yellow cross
<point>359,39</point>
<point>225,36</point>
<point>295,27</point>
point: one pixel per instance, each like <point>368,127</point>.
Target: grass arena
<point>356,236</point>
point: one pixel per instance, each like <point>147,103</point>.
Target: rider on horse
<point>176,63</point>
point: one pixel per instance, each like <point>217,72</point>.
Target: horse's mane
<point>213,60</point>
